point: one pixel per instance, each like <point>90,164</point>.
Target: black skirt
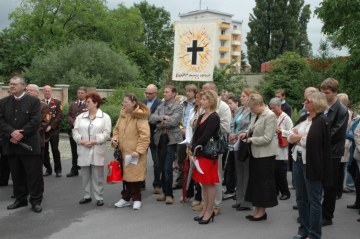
<point>261,188</point>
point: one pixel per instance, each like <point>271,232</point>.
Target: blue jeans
<point>155,158</point>
<point>308,198</point>
<point>166,176</point>
<point>349,181</point>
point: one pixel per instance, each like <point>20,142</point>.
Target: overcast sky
<point>239,8</point>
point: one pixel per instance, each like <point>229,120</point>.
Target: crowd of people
<point>321,149</point>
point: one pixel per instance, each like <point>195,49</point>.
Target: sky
<point>241,10</point>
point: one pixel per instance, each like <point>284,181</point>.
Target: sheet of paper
<point>186,141</point>
<point>134,160</point>
<point>197,165</point>
<point>127,159</point>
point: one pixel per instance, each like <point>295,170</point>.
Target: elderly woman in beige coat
<point>132,135</point>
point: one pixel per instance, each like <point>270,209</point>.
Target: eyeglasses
<point>149,93</point>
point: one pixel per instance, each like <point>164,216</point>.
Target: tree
<point>292,73</point>
<point>275,27</point>
<point>341,20</point>
<point>90,63</point>
<point>226,79</point>
<point>155,56</point>
<point>39,25</point>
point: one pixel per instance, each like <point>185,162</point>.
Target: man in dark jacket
<point>76,107</point>
<point>338,118</point>
<point>20,117</point>
<point>152,103</point>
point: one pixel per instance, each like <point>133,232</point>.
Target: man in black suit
<point>152,103</point>
<point>76,107</point>
<point>20,118</point>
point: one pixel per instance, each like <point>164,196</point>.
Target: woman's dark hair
<point>235,99</point>
<point>95,97</point>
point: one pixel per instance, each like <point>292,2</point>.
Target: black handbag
<point>214,147</point>
<point>244,151</point>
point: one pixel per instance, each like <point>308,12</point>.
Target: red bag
<point>114,172</point>
<point>282,141</point>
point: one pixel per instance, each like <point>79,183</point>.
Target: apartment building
<point>230,37</point>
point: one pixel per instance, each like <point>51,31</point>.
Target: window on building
<point>222,55</point>
<point>235,27</point>
<point>222,43</point>
<point>223,31</point>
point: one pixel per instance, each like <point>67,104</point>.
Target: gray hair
<point>22,79</point>
<point>275,101</point>
<point>36,87</point>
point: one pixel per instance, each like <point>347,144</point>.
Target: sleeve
<point>357,137</point>
<point>342,119</point>
<point>115,132</point>
<point>144,136</point>
<point>6,129</point>
<point>70,118</point>
<point>75,131</point>
<point>175,119</point>
<point>269,131</point>
<point>189,129</point>
<point>286,126</point>
<point>156,117</point>
<point>225,119</point>
<point>104,135</point>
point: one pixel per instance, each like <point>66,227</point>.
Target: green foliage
<point>82,63</point>
<point>114,102</point>
<point>276,27</point>
<point>292,73</point>
<point>64,126</point>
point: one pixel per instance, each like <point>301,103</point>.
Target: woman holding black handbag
<point>261,189</point>
<point>241,124</point>
<point>208,126</point>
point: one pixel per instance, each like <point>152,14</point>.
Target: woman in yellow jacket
<point>132,135</point>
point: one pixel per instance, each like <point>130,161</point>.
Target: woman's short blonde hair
<point>211,96</point>
<point>319,101</point>
<point>255,99</point>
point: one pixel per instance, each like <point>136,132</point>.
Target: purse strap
<point>282,120</point>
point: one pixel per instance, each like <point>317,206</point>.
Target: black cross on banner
<point>194,50</point>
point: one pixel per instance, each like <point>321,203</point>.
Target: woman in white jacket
<point>91,131</point>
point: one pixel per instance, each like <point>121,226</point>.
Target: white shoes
<point>122,203</point>
<point>137,205</point>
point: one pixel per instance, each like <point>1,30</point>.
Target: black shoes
<point>236,205</point>
<point>47,173</point>
<point>284,197</point>
<point>198,218</point>
<point>243,209</point>
<point>36,208</point>
<point>256,219</point>
<point>17,204</point>
<point>99,202</point>
<point>85,200</point>
<point>326,222</point>
<point>353,206</point>
<point>202,221</point>
<point>58,174</point>
<point>72,174</point>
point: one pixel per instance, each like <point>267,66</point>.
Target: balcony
<point>236,32</point>
<point>224,61</point>
<point>224,25</point>
<point>236,53</point>
<point>224,37</point>
<point>236,43</point>
<point>224,49</point>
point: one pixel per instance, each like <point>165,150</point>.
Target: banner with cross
<point>194,50</point>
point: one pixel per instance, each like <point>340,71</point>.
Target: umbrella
<point>188,171</point>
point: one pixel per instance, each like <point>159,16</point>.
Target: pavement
<point>64,217</point>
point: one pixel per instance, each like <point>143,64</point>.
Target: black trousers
<point>131,190</point>
<point>73,146</point>
<point>26,172</point>
<point>54,143</point>
<point>328,204</point>
<point>280,177</point>
<point>229,172</point>
<point>354,171</point>
<point>340,181</point>
<point>181,155</point>
<point>4,170</point>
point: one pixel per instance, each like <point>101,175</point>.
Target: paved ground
<point>63,217</point>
